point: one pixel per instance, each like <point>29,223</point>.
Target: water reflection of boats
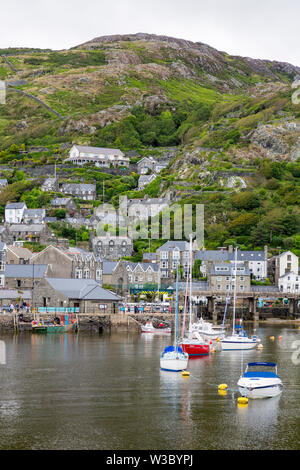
<point>260,416</point>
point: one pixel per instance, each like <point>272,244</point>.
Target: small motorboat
<point>150,328</point>
<point>174,359</point>
<point>260,380</point>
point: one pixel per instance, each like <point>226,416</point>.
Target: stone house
<point>171,254</point>
<point>66,203</point>
<point>112,247</point>
<point>83,191</point>
<point>71,263</point>
<point>25,276</point>
<point>50,184</point>
<point>107,271</point>
<point>141,209</point>
<point>17,255</point>
<point>148,164</point>
<point>144,180</point>
<point>255,260</point>
<point>39,233</point>
<point>128,275</point>
<point>221,278</point>
<point>101,157</point>
<point>34,216</point>
<point>85,294</point>
<point>14,212</point>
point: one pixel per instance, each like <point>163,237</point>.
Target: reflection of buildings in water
<point>260,416</point>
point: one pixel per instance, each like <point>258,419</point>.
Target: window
<point>242,278</point>
<point>98,274</point>
<point>164,255</point>
<point>218,287</point>
<point>241,287</point>
<point>86,274</point>
<point>219,278</point>
<point>78,273</point>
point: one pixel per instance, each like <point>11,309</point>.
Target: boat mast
<point>176,321</point>
<point>234,290</point>
<point>191,277</point>
<point>185,297</point>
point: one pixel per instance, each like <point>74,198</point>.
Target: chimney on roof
<point>266,251</point>
<point>230,249</point>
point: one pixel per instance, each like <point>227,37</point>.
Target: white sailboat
<point>237,341</point>
<point>193,343</point>
<point>173,358</point>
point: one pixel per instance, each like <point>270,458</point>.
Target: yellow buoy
<point>243,401</point>
<point>185,373</point>
<point>222,387</point>
<point>272,338</point>
<point>222,393</point>
<point>298,327</point>
<point>218,339</point>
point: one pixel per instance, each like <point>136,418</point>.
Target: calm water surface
<point>90,391</point>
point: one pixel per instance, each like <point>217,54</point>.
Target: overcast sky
<point>266,29</point>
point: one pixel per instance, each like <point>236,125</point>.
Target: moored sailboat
<point>173,358</point>
<point>193,344</point>
<point>238,340</point>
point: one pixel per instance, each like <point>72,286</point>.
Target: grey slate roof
<point>108,266</point>
<point>60,201</point>
<point>83,289</point>
<point>15,205</point>
<point>34,213</point>
<point>98,150</point>
<point>147,256</point>
<point>227,269</point>
<point>144,266</point>
<point>171,245</point>
<point>12,294</point>
<point>26,270</point>
<point>81,186</point>
<point>224,255</point>
<point>26,228</point>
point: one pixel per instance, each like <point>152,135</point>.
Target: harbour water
<point>90,391</point>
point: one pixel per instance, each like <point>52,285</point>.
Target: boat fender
<point>243,401</point>
<point>213,350</point>
<point>222,387</point>
<point>185,373</point>
<point>260,346</point>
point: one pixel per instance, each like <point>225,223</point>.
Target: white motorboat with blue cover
<point>260,380</point>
